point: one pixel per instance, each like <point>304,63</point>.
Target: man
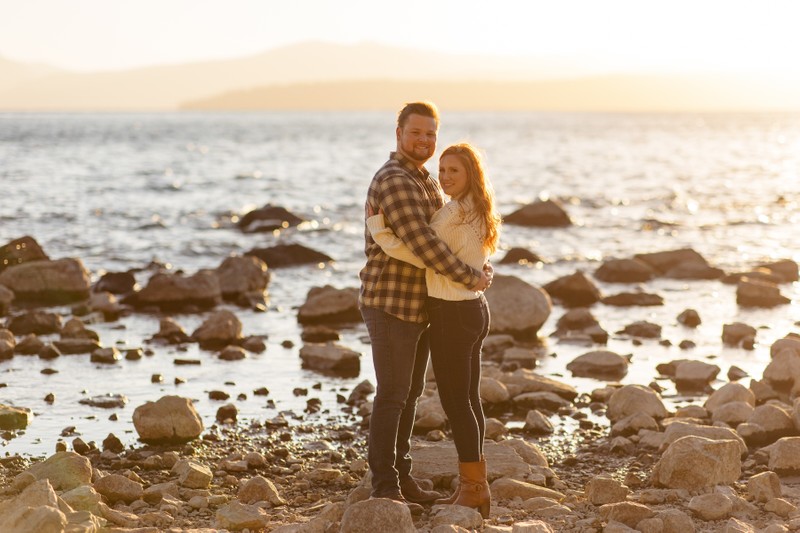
<point>392,299</point>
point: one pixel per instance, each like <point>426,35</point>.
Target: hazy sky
<point>758,36</point>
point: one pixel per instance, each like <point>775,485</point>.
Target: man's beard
<point>419,154</point>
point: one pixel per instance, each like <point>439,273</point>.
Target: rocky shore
<point>614,458</point>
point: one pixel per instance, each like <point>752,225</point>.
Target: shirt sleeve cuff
<point>376,223</point>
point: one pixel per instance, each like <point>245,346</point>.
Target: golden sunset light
<point>693,50</point>
<point>423,266</point>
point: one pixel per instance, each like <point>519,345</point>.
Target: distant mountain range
<point>612,93</point>
<point>326,76</point>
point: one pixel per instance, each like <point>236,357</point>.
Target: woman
<point>459,317</point>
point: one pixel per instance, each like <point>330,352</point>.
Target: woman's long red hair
<point>479,190</point>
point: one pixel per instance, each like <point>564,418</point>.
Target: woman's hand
<point>371,212</point>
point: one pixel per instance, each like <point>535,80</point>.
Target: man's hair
<point>425,109</point>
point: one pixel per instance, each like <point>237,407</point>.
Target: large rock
<point>259,489</point>
<point>240,276</point>
<point>171,332</point>
<point>599,364</point>
<point>220,329</point>
<point>787,343</point>
<point>546,401</point>
<point>83,498</point>
<point>268,218</point>
<point>749,293</point>
<point>694,375</point>
<point>603,489</point>
<point>784,456</point>
<point>693,463</point>
<point>786,269</point>
<point>37,322</point>
<point>330,356</point>
<point>643,329</point>
<point>237,516</point>
<point>192,475</point>
<point>632,399</point>
<point>174,292</point>
<point>575,290</point>
<point>378,514</point>
<point>733,414</point>
<point>64,470</point>
<point>628,513</point>
<point>438,461</point>
<point>730,392</point>
<point>519,256</point>
<point>117,488</point>
<point>75,346</point>
<point>29,345</point>
<point>714,506</point>
<point>547,213</point>
<point>14,417</point>
<point>48,282</point>
<point>783,371</point>
<point>33,510</point>
<point>328,304</point>
<point>578,324</point>
<point>764,487</point>
<point>624,271</point>
<point>679,429</point>
<point>508,489</point>
<point>284,255</point>
<point>6,297</point>
<point>517,308</point>
<point>733,334</point>
<point>430,414</point>
<point>524,380</point>
<point>768,423</point>
<point>116,283</point>
<point>493,391</point>
<point>630,299</point>
<point>681,264</point>
<point>8,343</point>
<point>528,451</point>
<point>171,419</point>
<point>20,251</point>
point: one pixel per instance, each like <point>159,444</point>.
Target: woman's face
<point>452,176</point>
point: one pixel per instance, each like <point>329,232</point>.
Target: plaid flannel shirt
<point>408,197</point>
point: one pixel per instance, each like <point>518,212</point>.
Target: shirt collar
<point>409,165</point>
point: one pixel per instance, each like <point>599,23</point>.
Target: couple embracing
<point>422,292</point>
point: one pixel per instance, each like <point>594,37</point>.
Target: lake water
<point>121,190</point>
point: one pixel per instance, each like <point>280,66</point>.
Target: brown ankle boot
<point>474,489</point>
<point>453,497</point>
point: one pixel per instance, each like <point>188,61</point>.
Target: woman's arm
<point>391,243</point>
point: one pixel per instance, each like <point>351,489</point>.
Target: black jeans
<point>400,356</point>
<point>457,330</point>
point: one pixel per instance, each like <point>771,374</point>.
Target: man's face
<point>417,138</point>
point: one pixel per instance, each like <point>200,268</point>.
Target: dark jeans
<point>400,357</point>
<point>457,330</point>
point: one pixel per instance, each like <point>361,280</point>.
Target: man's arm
<point>400,202</point>
<point>390,243</point>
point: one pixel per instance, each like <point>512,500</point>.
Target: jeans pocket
<point>471,319</point>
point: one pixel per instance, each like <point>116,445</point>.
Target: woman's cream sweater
<point>464,238</point>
